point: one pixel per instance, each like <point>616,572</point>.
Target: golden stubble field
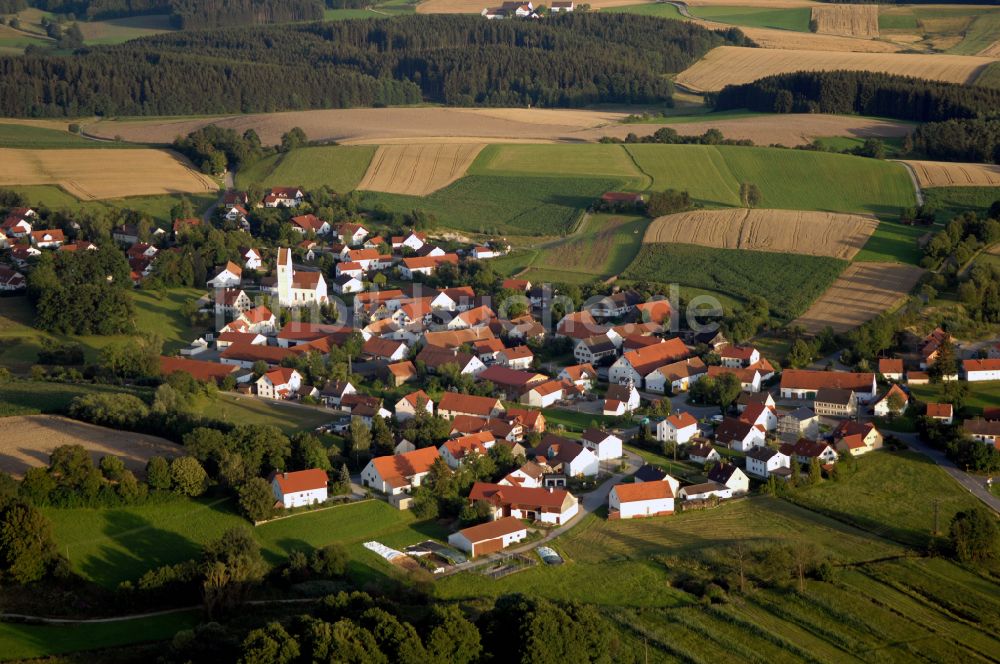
<point>734,65</point>
<point>860,293</point>
<point>418,170</point>
<point>26,442</point>
<point>952,174</point>
<point>784,231</point>
<point>847,20</point>
<point>91,174</point>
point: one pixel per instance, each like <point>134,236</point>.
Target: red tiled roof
<point>301,480</point>
<point>803,379</point>
<point>518,495</point>
<point>493,529</point>
<point>468,404</point>
<point>395,469</point>
<point>198,369</point>
<point>628,493</point>
<point>939,410</point>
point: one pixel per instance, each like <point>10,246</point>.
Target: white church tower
<point>285,273</point>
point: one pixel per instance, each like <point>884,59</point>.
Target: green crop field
<point>505,205</point>
<point>990,76</point>
<point>892,495</point>
<point>339,167</point>
<point>603,246</point>
<point>982,32</point>
<point>661,9</point>
<point>953,201</point>
<point>795,18</point>
<point>37,138</point>
<point>894,243</point>
<point>112,545</point>
<point>788,282</point>
<point>788,179</point>
<point>22,641</point>
<point>593,160</point>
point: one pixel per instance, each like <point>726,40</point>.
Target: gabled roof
<point>804,379</point>
<point>473,442</point>
<point>493,529</point>
<point>721,472</point>
<point>982,427</point>
<point>301,480</point>
<point>981,365</point>
<point>456,338</point>
<point>939,410</point>
<point>889,365</point>
<point>518,495</point>
<point>834,395</point>
<point>733,429</point>
<point>743,353</point>
<point>434,357</point>
<point>681,420</point>
<point>198,369</point>
<point>413,398</point>
<point>506,377</point>
<point>648,359</point>
<point>580,371</point>
<point>628,493</point>
<point>596,436</point>
<point>762,453</point>
<point>397,469</point>
<point>468,404</point>
<point>650,473</point>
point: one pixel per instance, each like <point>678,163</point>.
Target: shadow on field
<point>138,546</point>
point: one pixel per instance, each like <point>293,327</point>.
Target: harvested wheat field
<point>782,231</point>
<point>951,174</point>
<point>861,292</point>
<point>418,170</point>
<point>789,129</point>
<point>477,6</point>
<point>733,65</point>
<point>26,442</point>
<point>991,51</point>
<point>93,174</point>
<point>811,41</point>
<point>847,20</point>
<point>378,125</point>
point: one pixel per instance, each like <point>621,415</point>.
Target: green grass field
<point>892,495</point>
<point>25,397</point>
<point>983,31</point>
<point>340,167</point>
<point>603,246</point>
<point>660,9</point>
<point>894,243</point>
<point>788,282</point>
<point>570,160</point>
<point>788,179</point>
<point>118,30</point>
<point>953,201</point>
<point>246,410</point>
<point>22,642</point>
<point>795,18</point>
<point>157,207</point>
<point>505,205</point>
<point>109,546</point>
<point>982,394</point>
<point>39,138</point>
<point>990,76</point>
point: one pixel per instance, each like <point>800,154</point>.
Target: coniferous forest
<point>455,60</point>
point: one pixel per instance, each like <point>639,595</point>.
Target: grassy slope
<point>892,242</point>
<point>788,282</point>
<point>990,76</point>
<point>157,207</point>
<point>37,138</point>
<point>32,397</point>
<point>661,9</point>
<point>952,201</point>
<point>795,18</point>
<point>983,31</point>
<point>340,167</point>
<point>592,160</point>
<point>982,394</point>
<point>113,545</point>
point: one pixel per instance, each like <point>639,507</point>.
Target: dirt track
<point>786,231</point>
<point>92,174</point>
<point>733,65</point>
<point>863,291</point>
<point>26,442</point>
<point>950,174</point>
<point>418,170</point>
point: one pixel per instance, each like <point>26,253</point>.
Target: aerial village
<point>619,370</point>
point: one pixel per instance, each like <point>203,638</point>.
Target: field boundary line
<point>639,168</point>
<point>343,503</point>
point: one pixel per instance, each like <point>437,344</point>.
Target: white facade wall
<point>299,498</point>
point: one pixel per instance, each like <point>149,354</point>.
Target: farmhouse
<point>453,404</point>
<point>630,501</point>
<point>299,488</point>
<point>678,428</point>
<point>552,506</point>
<point>985,431</point>
<point>739,357</point>
<point>706,491</point>
<point>730,476</point>
<point>197,369</point>
<point>489,537</point>
<point>834,402</point>
<point>410,267</point>
<point>288,197</point>
<point>594,349</point>
<point>804,384</point>
<point>246,354</point>
<point>398,473</point>
<point>232,301</point>
<point>679,376</point>
<point>977,370</point>
<point>543,395</point>
<point>519,357</point>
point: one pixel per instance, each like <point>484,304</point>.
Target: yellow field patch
<point>951,174</point>
<point>91,174</point>
<point>847,20</point>
<point>418,170</point>
<point>860,293</point>
<point>784,231</point>
<point>734,65</point>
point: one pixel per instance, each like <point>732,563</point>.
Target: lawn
<point>118,30</point>
<point>795,18</point>
<point>891,495</point>
<point>953,201</point>
<point>788,282</point>
<point>982,394</point>
<point>339,167</point>
<point>20,641</point>
<point>894,243</point>
<point>156,207</point>
<point>893,146</point>
<point>602,247</point>
<point>248,410</point>
<point>109,546</point>
<point>573,420</point>
<point>500,205</point>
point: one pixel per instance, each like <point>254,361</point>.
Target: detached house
<point>551,506</point>
<point>857,438</point>
<point>764,462</point>
<point>703,453</point>
<point>300,488</point>
<point>943,412</point>
<point>310,223</point>
<point>804,384</point>
<point>678,428</point>
<point>543,395</point>
<point>48,239</point>
<point>334,391</point>
<point>567,456</point>
<point>457,450</point>
<point>582,375</point>
<point>676,377</point>
<point>280,383</point>
<point>408,406</point>
<point>228,276</point>
<point>288,197</point>
<point>739,357</point>
<point>730,476</point>
<point>759,414</point>
<point>635,365</point>
<point>453,404</point>
<point>594,349</point>
<point>398,473</point>
<point>378,348</point>
<point>604,445</point>
<point>621,399</point>
<point>882,407</point>
<point>630,501</point>
<point>18,222</point>
<point>800,423</point>
<point>805,450</point>
<point>977,370</point>
<point>489,537</point>
<point>985,431</point>
<point>739,435</point>
<point>834,402</point>
<point>891,368</point>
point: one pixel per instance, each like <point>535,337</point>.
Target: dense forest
<point>456,60</point>
<point>865,93</point>
<point>185,13</point>
<point>960,140</point>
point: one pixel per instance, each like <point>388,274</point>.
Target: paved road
<point>229,182</point>
<point>972,483</point>
<point>589,503</point>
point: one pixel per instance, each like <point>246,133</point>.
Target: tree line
<point>457,60</point>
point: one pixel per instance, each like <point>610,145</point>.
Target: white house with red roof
<point>738,357</point>
<point>635,365</point>
<point>582,375</point>
<point>631,501</point>
<point>351,234</point>
<point>677,428</point>
<point>259,320</point>
<point>50,238</point>
<point>408,405</point>
<point>229,276</point>
<point>11,280</point>
<point>603,444</point>
<point>457,450</point>
<point>232,301</point>
<point>412,241</point>
<point>253,259</point>
<point>310,223</point>
<point>398,473</point>
<point>18,222</point>
<point>760,414</point>
<point>943,412</point>
<point>739,435</point>
<point>281,383</point>
<point>300,488</point>
<point>552,506</point>
<point>977,370</point>
<point>288,197</point>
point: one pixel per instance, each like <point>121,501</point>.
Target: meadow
<point>156,207</point>
<point>785,18</point>
<point>788,282</point>
<point>893,243</point>
<point>570,160</point>
<point>788,179</point>
<point>661,9</point>
<point>24,397</point>
<point>990,76</point>
<point>982,394</point>
<point>32,137</point>
<point>953,201</point>
<point>339,167</point>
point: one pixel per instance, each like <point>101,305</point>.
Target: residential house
<point>551,506</point>
<point>351,234</point>
<point>457,450</point>
<point>562,6</point>
<point>259,319</point>
<point>985,431</point>
<point>739,435</point>
<point>635,365</point>
<point>229,276</point>
<point>237,215</point>
<point>578,325</point>
<point>434,358</point>
<point>649,473</point>
<point>519,357</point>
<point>702,453</point>
<point>348,283</point>
<point>595,349</point>
<point>567,456</point>
<point>11,280</point>
<point>747,399</point>
<point>882,408</point>
<point>739,357</point>
<point>487,349</point>
<point>759,414</point>
<point>543,395</point>
<point>835,402</point>
<point>930,347</point>
<point>891,368</point>
<point>654,311</point>
<point>378,348</point>
<point>280,383</point>
<point>729,475</point>
<point>805,450</point>
<point>621,397</point>
<point>398,473</point>
<point>804,383</point>
<point>678,428</point>
<point>310,223</point>
<point>48,239</point>
<point>232,198</point>
<point>604,445</point>
<point>706,491</point>
<point>749,378</point>
<point>334,391</point>
<point>300,488</point>
<point>582,375</point>
<point>977,370</point>
<point>232,301</point>
<point>401,373</point>
<point>942,412</point>
<point>408,406</point>
<point>182,226</point>
<point>453,404</point>
<point>412,241</point>
<point>198,369</point>
<point>532,420</point>
<point>614,305</point>
<point>856,438</point>
<point>528,475</point>
<point>245,355</point>
<point>18,222</point>
<point>288,197</point>
<point>472,318</point>
<point>800,423</point>
<point>426,265</point>
<point>763,462</point>
<point>489,537</point>
<point>676,377</point>
<point>630,501</point>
